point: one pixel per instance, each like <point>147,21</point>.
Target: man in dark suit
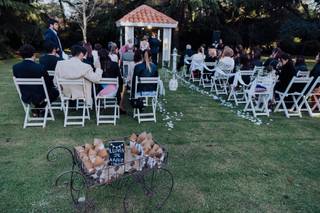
<point>51,35</point>
<point>29,69</point>
<point>50,58</point>
<point>154,47</point>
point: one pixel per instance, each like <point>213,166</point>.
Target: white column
<point>167,32</point>
<point>128,34</point>
<point>121,36</point>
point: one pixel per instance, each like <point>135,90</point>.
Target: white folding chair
<point>303,74</point>
<point>311,101</point>
<point>187,62</point>
<point>257,99</point>
<point>106,101</point>
<point>208,69</point>
<point>71,119</point>
<point>56,104</point>
<point>51,73</point>
<point>219,82</point>
<point>195,66</point>
<point>146,116</point>
<point>29,120</point>
<point>258,70</point>
<point>238,86</point>
<point>295,110</point>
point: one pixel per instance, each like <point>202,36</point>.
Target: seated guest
<point>138,58</point>
<point>300,64</point>
<point>111,70</point>
<point>88,58</point>
<point>256,58</point>
<point>315,72</point>
<point>113,54</point>
<point>245,65</point>
<point>245,62</point>
<point>50,59</point>
<point>239,52</point>
<point>212,54</point>
<point>197,61</point>
<point>273,61</point>
<point>74,68</point>
<point>287,73</point>
<point>187,54</point>
<point>97,47</point>
<point>226,62</point>
<point>144,69</point>
<point>204,49</point>
<point>128,54</point>
<point>28,68</point>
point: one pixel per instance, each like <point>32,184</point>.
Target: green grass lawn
<point>220,162</point>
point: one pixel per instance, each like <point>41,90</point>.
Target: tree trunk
<point>84,19</point>
<point>63,12</point>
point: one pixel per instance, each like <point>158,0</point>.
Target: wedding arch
<point>145,16</point>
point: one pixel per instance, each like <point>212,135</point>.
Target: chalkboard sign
<point>116,152</point>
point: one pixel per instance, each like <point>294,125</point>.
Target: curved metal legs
<point>154,190</point>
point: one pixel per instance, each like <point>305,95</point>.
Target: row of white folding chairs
<point>101,102</point>
<point>108,102</point>
<point>105,102</point>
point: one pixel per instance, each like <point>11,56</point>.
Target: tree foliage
<point>295,23</point>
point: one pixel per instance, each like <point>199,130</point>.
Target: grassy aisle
<point>220,162</point>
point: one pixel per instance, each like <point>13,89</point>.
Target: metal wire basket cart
<point>152,188</point>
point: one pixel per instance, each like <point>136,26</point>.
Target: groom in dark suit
<point>51,35</point>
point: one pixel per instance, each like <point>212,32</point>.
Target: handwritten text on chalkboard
<point>116,152</point>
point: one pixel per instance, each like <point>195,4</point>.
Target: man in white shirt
<point>74,68</point>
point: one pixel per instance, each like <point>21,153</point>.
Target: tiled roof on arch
<point>146,16</point>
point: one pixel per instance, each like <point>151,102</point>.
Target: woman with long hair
<point>88,59</point>
<point>144,69</point>
<point>111,70</point>
<point>288,71</point>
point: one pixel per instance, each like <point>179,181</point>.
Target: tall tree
<point>83,12</point>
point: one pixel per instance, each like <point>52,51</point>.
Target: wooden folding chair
<point>146,116</point>
<point>295,110</point>
<point>106,101</point>
<point>48,114</point>
<point>68,119</point>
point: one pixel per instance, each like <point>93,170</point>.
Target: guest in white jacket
<point>197,61</point>
<point>75,69</point>
<point>226,62</point>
